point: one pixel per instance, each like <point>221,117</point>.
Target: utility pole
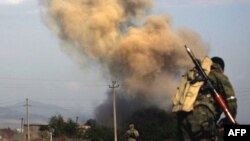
<point>114,107</point>
<point>77,127</point>
<point>22,125</point>
<point>27,115</point>
<point>77,119</point>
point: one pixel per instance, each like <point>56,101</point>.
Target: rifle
<point>216,95</point>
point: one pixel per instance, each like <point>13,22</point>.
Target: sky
<point>34,66</point>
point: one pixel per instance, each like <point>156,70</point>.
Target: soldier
<point>196,110</point>
<point>132,134</point>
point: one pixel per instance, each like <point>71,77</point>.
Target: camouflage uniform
<point>200,123</point>
<point>132,134</point>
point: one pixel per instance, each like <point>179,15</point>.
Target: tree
<point>71,128</point>
<point>98,132</point>
<point>57,123</point>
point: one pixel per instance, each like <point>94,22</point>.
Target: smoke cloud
<point>140,50</point>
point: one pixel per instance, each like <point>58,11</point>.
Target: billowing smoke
<point>140,50</point>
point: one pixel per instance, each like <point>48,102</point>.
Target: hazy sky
<point>32,64</point>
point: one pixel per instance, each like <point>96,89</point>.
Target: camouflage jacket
<point>224,88</point>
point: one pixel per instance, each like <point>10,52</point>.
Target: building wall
<point>34,130</point>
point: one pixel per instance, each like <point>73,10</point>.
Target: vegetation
<point>60,128</point>
<point>153,124</point>
<point>70,129</point>
<point>98,132</point>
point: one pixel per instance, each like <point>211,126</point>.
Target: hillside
<point>10,116</point>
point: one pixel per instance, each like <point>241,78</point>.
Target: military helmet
<point>219,61</point>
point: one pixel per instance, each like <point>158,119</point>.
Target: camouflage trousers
<point>197,125</point>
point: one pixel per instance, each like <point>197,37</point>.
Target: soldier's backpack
<point>188,90</point>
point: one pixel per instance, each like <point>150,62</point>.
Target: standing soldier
<point>131,134</point>
<point>195,107</point>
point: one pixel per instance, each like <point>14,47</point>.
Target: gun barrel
<point>189,52</point>
<point>217,96</point>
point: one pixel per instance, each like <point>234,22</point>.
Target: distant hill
<point>10,116</point>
